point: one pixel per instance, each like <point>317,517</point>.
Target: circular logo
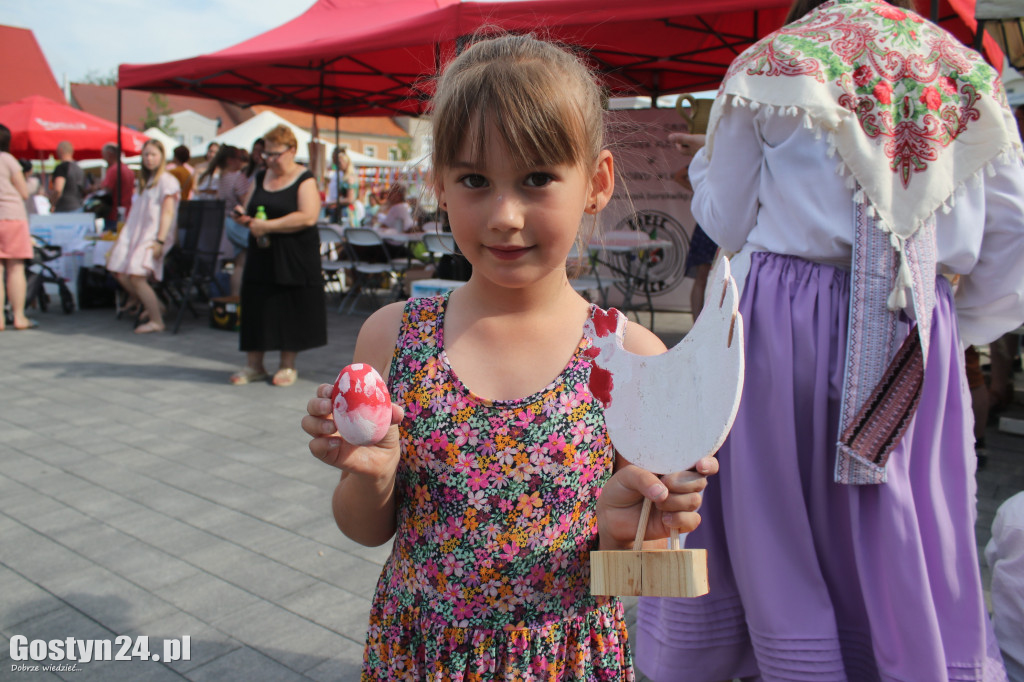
<point>665,265</point>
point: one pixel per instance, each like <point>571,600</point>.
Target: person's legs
<point>288,359</point>
<point>700,283</point>
<point>286,374</point>
<point>144,292</point>
<point>1000,387</point>
<point>132,300</point>
<point>979,401</point>
<point>236,274</point>
<point>3,293</point>
<point>16,286</point>
<point>253,370</point>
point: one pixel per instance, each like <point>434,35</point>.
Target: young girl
<point>497,477</point>
<point>147,235</point>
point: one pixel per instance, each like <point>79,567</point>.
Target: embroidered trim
<point>882,385</point>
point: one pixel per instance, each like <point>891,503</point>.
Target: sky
<point>83,37</point>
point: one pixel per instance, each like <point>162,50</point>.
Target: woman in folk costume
<point>855,158</point>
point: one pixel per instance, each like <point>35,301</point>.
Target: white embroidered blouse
<point>773,187</point>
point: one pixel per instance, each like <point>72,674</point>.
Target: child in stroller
<point>39,274</point>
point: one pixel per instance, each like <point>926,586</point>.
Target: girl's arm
<point>364,499</point>
<point>166,220</point>
<point>676,496</point>
<point>305,216</point>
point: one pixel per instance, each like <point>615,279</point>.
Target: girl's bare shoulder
<point>378,335</point>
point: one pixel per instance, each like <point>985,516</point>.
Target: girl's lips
<point>508,253</point>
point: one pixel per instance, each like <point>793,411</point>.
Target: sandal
<point>285,376</point>
<point>247,375</point>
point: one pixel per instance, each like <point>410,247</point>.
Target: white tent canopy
<point>244,134</point>
<point>166,140</point>
<point>998,9</point>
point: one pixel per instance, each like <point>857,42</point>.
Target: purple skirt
<point>814,580</point>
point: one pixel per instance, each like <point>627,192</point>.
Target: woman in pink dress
<point>15,242</point>
<point>147,235</point>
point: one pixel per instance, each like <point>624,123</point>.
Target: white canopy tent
<point>244,134</point>
<point>166,140</point>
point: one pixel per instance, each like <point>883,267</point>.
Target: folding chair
<point>439,244</point>
<point>373,267</point>
<point>333,258</point>
<point>191,266</point>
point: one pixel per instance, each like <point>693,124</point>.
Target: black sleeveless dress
<point>283,302</point>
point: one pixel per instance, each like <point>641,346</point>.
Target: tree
<point>97,78</point>
<point>158,115</point>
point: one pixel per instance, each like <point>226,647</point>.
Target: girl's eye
<point>538,179</point>
<point>473,181</point>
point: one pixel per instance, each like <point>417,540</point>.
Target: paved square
<point>142,495</point>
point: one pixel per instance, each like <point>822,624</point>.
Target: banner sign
<point>649,200</point>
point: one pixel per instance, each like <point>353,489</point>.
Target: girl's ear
<point>602,183</point>
<point>439,192</point>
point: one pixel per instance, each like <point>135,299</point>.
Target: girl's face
<point>151,157</point>
<point>517,225</point>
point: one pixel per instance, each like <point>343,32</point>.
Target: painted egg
<point>362,406</point>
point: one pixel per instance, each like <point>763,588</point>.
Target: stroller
<point>38,273</point>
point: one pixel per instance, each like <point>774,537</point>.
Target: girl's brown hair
<point>148,178</point>
<point>801,7</point>
<point>543,101</point>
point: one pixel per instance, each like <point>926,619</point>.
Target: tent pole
<point>935,11</point>
<point>337,138</point>
<point>117,168</point>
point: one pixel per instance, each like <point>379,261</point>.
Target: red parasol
<point>38,124</point>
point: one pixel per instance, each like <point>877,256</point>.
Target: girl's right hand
<point>378,460</point>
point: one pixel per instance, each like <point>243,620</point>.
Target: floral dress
<point>489,576</point>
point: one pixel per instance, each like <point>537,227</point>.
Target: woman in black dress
<point>283,304</point>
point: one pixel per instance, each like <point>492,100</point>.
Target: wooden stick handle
<point>645,513</point>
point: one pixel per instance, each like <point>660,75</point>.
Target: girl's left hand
<point>676,499</point>
<point>157,248</point>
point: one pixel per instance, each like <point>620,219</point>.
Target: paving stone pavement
<point>141,495</point>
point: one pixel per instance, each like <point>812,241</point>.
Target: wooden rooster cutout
<point>664,413</point>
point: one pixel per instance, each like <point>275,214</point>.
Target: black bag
<point>97,288</point>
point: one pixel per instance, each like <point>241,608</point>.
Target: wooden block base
<point>650,573</point>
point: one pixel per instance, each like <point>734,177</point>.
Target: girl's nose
<point>507,213</point>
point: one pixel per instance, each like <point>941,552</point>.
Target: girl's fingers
<point>686,502</point>
<point>708,466</point>
<point>397,413</point>
<point>317,427</point>
<point>682,522</point>
<point>327,450</point>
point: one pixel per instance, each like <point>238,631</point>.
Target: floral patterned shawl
<point>911,112</point>
<point>912,115</point>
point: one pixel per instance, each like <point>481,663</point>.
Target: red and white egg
<point>361,404</point>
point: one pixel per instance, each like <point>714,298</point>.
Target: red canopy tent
<point>376,57</point>
<point>38,124</point>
